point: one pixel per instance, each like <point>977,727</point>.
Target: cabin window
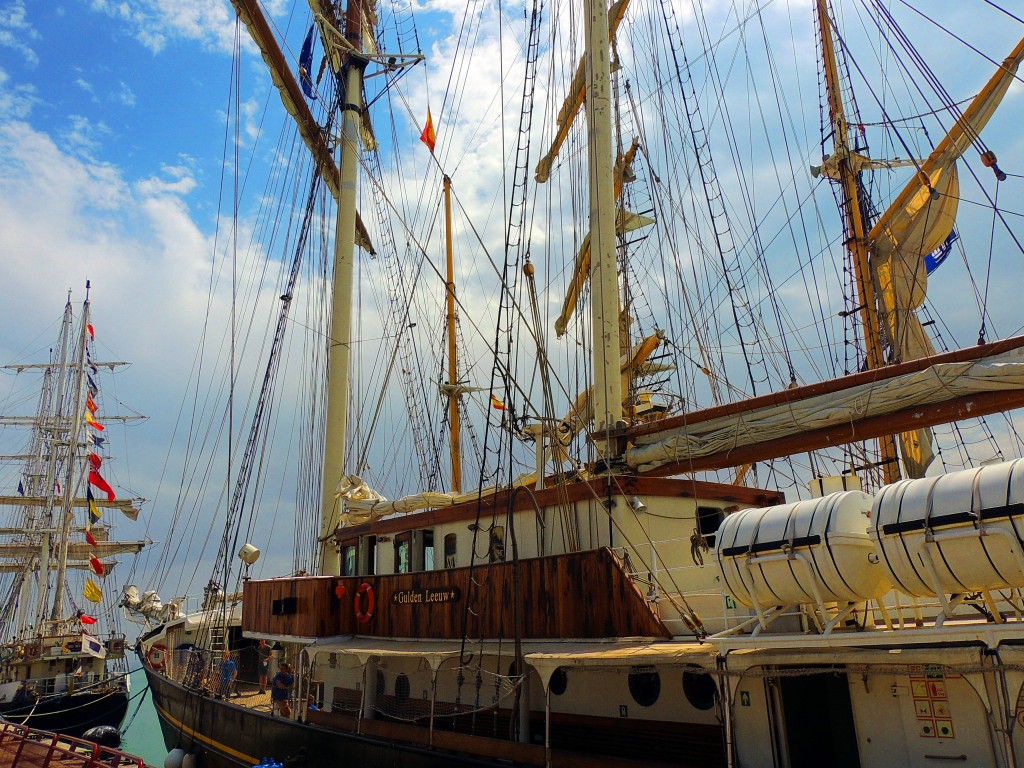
<point>428,550</point>
<point>708,521</point>
<point>403,550</point>
<point>451,546</point>
<point>644,685</point>
<point>700,688</point>
<point>367,565</point>
<point>496,548</point>
<point>559,682</point>
<point>349,558</point>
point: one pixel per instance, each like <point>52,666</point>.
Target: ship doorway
<point>818,717</point>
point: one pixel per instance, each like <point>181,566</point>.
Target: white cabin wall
<point>601,693</point>
<point>752,730</point>
<point>891,712</point>
<point>657,542</point>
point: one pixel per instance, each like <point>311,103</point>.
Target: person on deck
<point>228,673</point>
<point>280,692</point>
<point>263,653</point>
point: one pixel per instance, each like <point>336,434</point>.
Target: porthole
<point>644,685</point>
<point>402,686</point>
<point>559,682</point>
<point>700,689</point>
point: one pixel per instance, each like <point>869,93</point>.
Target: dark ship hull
<point>225,735</point>
<point>72,714</point>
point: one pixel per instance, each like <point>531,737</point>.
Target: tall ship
<point>63,663</point>
<point>649,447</point>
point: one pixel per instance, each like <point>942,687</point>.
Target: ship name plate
<point>422,596</point>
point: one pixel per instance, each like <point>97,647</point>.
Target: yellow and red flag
<point>496,404</point>
<point>91,421</point>
<point>429,137</point>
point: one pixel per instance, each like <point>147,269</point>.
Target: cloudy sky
<point>112,147</point>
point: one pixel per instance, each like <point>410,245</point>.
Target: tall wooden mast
<point>454,421</point>
<point>339,351</point>
<point>604,282</point>
<point>857,242</point>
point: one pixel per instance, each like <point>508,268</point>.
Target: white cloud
<point>15,101</point>
<point>83,134</point>
<point>124,95</point>
<point>154,22</point>
<point>15,31</point>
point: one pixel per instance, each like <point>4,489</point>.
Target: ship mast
<point>604,282</point>
<point>339,350</point>
<point>453,363</point>
<point>56,415</point>
<point>847,174</point>
<point>70,480</point>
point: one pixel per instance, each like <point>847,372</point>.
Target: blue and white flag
<point>306,65</point>
<point>934,259</point>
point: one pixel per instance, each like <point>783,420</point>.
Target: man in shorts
<point>280,690</point>
<point>263,652</point>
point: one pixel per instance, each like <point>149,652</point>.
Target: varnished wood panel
<point>579,595</point>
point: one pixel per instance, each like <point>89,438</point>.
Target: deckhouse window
<point>451,554</point>
<point>708,521</point>
<point>403,552</point>
<point>428,550</point>
<point>349,558</point>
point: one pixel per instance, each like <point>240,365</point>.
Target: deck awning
<point>617,655</point>
<point>362,649</point>
<point>545,657</point>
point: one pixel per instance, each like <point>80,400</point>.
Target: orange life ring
<point>156,656</point>
<point>364,616</point>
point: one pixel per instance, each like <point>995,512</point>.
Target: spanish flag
<point>92,592</point>
<point>429,137</point>
<point>496,404</point>
<point>91,421</point>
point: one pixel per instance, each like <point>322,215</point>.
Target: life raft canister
<point>156,656</point>
<point>364,615</point>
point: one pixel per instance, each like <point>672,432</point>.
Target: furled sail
<point>915,225</point>
<point>694,440</point>
<point>363,503</point>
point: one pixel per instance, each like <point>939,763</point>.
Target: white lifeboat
<point>811,551</point>
<point>953,534</point>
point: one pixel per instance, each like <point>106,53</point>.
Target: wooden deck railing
<point>21,746</point>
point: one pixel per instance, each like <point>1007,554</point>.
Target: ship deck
<point>21,746</point>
